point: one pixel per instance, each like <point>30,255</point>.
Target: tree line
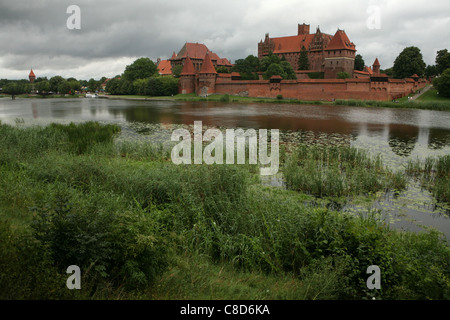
<point>142,78</point>
<point>44,86</point>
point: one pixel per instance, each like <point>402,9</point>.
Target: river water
<point>398,134</point>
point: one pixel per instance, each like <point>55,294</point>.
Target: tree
<point>431,71</point>
<point>93,85</point>
<point>43,87</point>
<point>288,70</point>
<point>343,75</point>
<point>55,82</point>
<point>442,84</point>
<point>64,87</point>
<point>359,63</point>
<point>303,61</point>
<point>74,86</point>
<point>13,88</point>
<point>442,60</point>
<point>409,62</point>
<point>268,60</point>
<point>141,68</point>
<point>176,71</point>
<point>222,69</point>
<point>275,69</point>
<point>247,67</point>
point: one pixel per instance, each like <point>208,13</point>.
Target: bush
<point>121,247</point>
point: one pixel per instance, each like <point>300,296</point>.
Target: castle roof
<point>188,68</point>
<point>341,41</point>
<point>376,63</point>
<point>198,51</point>
<point>165,67</point>
<point>31,73</point>
<point>207,65</point>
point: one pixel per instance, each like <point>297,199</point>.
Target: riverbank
<point>430,102</point>
<point>141,227</point>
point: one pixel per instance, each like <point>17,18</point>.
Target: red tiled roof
<point>377,63</point>
<point>368,70</point>
<point>193,50</point>
<point>165,67</point>
<point>291,44</point>
<point>207,65</point>
<point>174,56</point>
<point>31,73</point>
<point>188,68</point>
<point>341,41</point>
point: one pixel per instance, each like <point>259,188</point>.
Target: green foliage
<point>83,136</point>
<point>442,61</point>
<point>303,61</point>
<point>359,63</point>
<point>247,67</point>
<point>283,69</point>
<point>13,88</point>
<point>43,87</point>
<point>343,75</point>
<point>337,172</point>
<point>442,83</point>
<point>431,71</point>
<point>176,71</point>
<point>153,86</point>
<point>409,62</point>
<point>120,211</point>
<point>141,68</point>
<point>316,75</point>
<point>55,83</point>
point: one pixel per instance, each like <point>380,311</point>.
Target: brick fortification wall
<point>327,89</point>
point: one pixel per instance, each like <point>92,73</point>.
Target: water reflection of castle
<point>401,138</point>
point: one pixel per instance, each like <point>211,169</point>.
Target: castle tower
<point>376,66</point>
<point>339,56</point>
<point>303,29</point>
<point>207,77</point>
<point>32,77</point>
<point>187,78</point>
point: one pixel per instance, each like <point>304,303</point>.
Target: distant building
<point>326,53</point>
<point>197,52</point>
<point>164,67</point>
<point>32,76</point>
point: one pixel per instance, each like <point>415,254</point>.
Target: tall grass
<point>133,220</point>
<point>337,171</point>
<point>434,174</point>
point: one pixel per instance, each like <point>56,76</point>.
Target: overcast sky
<point>34,33</point>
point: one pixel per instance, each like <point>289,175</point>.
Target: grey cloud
<point>34,32</point>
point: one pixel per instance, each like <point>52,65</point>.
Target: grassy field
<point>140,227</point>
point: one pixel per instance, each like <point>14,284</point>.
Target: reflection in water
<point>402,139</point>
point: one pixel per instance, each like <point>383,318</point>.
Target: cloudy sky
<point>34,33</point>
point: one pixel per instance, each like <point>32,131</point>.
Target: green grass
<point>432,95</point>
<point>142,227</point>
<point>338,171</point>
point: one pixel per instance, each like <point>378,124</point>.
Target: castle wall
<point>323,89</point>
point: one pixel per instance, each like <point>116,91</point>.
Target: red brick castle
<point>326,53</point>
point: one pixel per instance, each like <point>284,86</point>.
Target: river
<point>398,134</point>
